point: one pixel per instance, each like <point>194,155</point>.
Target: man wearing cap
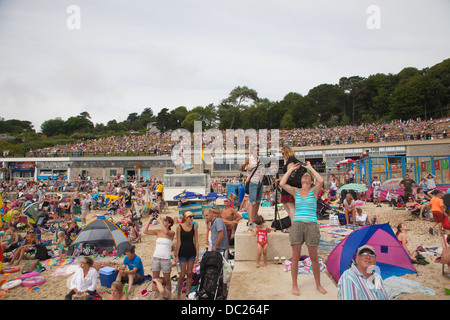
<point>359,282</point>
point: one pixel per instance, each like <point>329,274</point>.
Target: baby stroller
<point>332,194</point>
<point>211,276</point>
<point>322,208</point>
<point>395,200</point>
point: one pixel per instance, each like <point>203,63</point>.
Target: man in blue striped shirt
<point>359,282</point>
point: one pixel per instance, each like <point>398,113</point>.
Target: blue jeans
<point>255,195</point>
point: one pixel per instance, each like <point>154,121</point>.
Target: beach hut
<point>392,259</point>
<point>101,234</point>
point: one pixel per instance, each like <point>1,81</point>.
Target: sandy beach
<point>430,275</point>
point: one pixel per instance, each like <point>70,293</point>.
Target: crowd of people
<point>181,246</point>
<point>155,143</point>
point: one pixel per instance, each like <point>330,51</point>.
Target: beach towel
<point>57,262</point>
<point>304,266</point>
<point>395,286</point>
<point>65,270</point>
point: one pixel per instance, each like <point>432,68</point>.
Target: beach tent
<point>392,259</point>
<point>102,234</point>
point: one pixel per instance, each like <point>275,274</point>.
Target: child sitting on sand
<point>363,219</point>
<point>261,232</point>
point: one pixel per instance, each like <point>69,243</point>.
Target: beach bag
<point>285,223</point>
<point>334,220</point>
<point>32,266</point>
<point>446,224</point>
<point>41,253</point>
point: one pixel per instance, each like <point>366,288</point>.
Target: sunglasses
<point>190,217</point>
<point>372,255</point>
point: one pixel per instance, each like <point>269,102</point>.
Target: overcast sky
<point>114,57</point>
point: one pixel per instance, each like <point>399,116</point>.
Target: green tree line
<point>380,97</point>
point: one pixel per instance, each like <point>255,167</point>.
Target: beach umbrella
<point>213,196</point>
<point>32,211</point>
<point>353,186</point>
<point>64,199</point>
<point>344,162</point>
<point>188,195</point>
<point>391,184</point>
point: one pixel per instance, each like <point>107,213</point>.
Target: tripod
<point>276,213</point>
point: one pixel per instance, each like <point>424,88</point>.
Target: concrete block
<point>245,242</point>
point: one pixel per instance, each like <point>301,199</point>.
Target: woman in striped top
<point>304,228</point>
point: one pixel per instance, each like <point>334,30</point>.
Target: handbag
<point>281,224</point>
<point>247,183</point>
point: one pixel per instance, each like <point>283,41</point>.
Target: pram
<point>332,193</point>
<point>211,276</point>
<point>395,200</point>
<point>322,208</point>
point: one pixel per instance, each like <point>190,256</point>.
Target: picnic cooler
<point>107,276</point>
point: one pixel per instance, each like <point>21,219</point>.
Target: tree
<point>188,122</point>
<point>406,101</point>
<point>234,103</point>
<point>77,124</point>
<point>162,120</point>
<point>322,102</point>
<point>379,88</point>
<point>132,117</point>
<point>14,126</point>
<point>287,122</point>
<point>177,116</point>
<point>85,115</point>
<point>353,87</point>
<point>296,104</point>
<point>53,127</point>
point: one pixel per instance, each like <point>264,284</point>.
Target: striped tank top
<point>305,208</point>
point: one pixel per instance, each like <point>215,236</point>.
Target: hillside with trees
<point>410,94</point>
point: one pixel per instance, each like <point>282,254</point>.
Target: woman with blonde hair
<point>117,292</point>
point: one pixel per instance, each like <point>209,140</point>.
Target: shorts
<point>84,214</point>
<point>407,194</point>
<point>287,199</point>
<point>254,195</point>
<point>304,232</point>
<point>376,194</point>
<point>137,278</point>
<point>164,265</point>
<point>186,259</point>
<point>438,216</point>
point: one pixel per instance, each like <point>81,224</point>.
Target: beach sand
<point>430,275</point>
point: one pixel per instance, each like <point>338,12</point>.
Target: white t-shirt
<point>361,218</point>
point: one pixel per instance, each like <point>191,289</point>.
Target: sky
<point>59,58</point>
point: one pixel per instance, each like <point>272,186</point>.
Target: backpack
<point>41,253</point>
<point>32,266</point>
